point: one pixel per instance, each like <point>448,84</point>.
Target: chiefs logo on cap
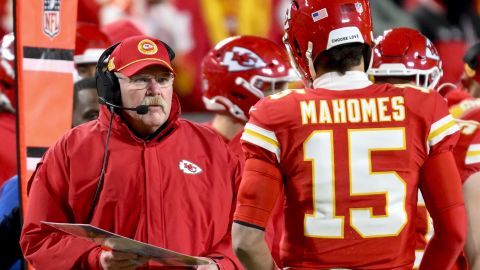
<point>147,46</point>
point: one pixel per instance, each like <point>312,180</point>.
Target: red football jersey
<point>350,160</point>
<point>424,230</point>
<point>274,230</point>
<point>467,151</point>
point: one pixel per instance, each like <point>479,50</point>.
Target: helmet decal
<point>239,59</point>
<point>359,7</point>
<point>431,51</point>
<point>319,14</point>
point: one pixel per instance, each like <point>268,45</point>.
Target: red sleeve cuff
<point>93,260</point>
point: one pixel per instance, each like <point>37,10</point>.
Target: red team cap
<point>90,42</point>
<point>405,52</point>
<point>313,26</point>
<point>120,30</point>
<point>136,53</point>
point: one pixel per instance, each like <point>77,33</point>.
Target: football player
<point>350,156</point>
<point>405,56</point>
<point>471,75</point>
<point>236,74</point>
<point>465,97</point>
<point>467,155</point>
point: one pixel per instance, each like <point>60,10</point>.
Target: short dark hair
<point>86,83</point>
<point>341,58</point>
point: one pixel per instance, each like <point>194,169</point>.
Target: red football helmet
<point>90,43</point>
<point>237,72</point>
<point>313,26</point>
<point>406,52</point>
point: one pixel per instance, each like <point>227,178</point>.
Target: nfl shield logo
<point>51,17</point>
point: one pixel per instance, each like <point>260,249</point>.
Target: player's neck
<point>320,70</point>
<point>227,125</point>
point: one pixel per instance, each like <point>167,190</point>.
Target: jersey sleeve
<point>443,133</point>
<point>259,139</point>
<point>261,174</point>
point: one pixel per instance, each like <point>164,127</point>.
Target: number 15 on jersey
<point>319,151</point>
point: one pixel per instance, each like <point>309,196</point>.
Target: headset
<point>471,60</point>
<point>108,89</point>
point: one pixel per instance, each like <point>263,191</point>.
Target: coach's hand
<point>212,266</point>
<point>112,259</point>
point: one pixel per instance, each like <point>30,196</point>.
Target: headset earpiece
<point>472,55</point>
<point>171,53</point>
<point>108,87</point>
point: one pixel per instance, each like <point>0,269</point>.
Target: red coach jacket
<point>176,191</point>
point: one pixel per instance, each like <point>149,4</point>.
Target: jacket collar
<point>121,129</point>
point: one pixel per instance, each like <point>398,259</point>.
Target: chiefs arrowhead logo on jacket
<point>188,167</point>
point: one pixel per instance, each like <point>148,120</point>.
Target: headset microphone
<point>140,109</point>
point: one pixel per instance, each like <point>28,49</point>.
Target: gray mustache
<point>154,101</point>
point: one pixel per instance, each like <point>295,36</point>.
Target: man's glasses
<point>142,81</point>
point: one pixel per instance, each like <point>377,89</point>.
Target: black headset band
<point>471,56</point>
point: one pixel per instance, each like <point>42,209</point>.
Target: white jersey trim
<point>336,81</point>
<point>261,137</point>
<point>418,258</point>
<point>262,131</point>
<point>473,154</point>
<point>442,128</point>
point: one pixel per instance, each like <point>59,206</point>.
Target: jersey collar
<point>335,81</point>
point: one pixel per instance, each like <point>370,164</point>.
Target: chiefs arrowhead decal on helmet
<point>242,59</point>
